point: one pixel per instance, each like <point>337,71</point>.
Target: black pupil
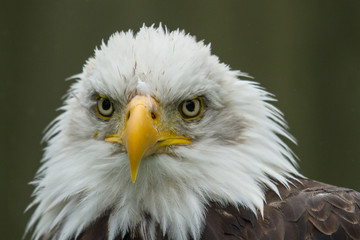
<point>190,106</point>
<point>106,104</point>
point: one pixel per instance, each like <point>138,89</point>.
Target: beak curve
<point>140,135</point>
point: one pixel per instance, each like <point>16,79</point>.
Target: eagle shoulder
<point>308,210</point>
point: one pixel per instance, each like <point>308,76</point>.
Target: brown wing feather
<point>308,210</point>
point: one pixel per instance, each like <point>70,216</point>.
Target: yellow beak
<point>142,134</point>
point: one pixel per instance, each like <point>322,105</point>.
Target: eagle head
<point>153,130</point>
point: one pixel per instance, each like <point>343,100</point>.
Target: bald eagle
<point>158,139</point>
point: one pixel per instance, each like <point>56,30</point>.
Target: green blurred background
<point>305,52</point>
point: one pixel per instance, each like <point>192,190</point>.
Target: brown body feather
<point>309,210</point>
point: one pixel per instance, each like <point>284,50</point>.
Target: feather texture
<point>308,210</point>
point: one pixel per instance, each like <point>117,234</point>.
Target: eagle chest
<point>308,210</point>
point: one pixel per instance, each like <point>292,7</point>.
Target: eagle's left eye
<point>104,107</point>
<point>191,109</point>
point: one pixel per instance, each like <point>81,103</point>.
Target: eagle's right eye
<point>104,107</point>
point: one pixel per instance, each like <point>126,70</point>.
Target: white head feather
<point>235,156</point>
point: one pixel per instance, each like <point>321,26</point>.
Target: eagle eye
<point>104,107</point>
<point>191,109</point>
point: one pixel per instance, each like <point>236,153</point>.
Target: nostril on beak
<point>153,115</point>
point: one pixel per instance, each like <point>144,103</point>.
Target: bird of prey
<point>158,139</point>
